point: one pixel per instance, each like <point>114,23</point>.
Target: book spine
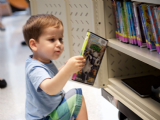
<point>144,44</point>
<point>126,21</point>
<point>119,16</point>
<point>137,27</point>
<point>143,23</point>
<point>150,8</point>
<point>134,25</point>
<point>156,27</point>
<point>115,17</point>
<point>82,51</point>
<point>124,24</point>
<point>148,28</point>
<point>158,17</point>
<point>130,30</point>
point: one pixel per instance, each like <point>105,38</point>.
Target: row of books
<point>137,23</point>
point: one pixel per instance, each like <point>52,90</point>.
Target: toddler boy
<point>45,98</point>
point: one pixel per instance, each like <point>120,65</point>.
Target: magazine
<point>93,50</point>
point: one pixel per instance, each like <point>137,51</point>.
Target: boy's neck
<point>36,57</point>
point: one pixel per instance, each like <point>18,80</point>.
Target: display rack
<point>120,60</point>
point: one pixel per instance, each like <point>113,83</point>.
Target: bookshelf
<point>148,1</point>
<point>142,54</point>
<point>146,108</point>
<point>120,60</point>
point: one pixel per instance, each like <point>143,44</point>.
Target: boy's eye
<point>61,40</point>
<point>52,39</point>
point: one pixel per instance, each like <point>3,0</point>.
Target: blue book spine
<point>130,30</point>
<point>118,9</point>
<point>132,24</point>
<point>143,24</point>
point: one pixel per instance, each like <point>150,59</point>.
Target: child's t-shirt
<point>38,103</point>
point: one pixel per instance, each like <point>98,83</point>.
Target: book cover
<point>93,50</point>
<point>138,26</point>
<point>115,12</point>
<point>143,24</point>
<point>132,24</point>
<point>129,21</point>
<point>126,19</point>
<point>155,13</point>
<point>125,35</point>
<point>154,29</point>
<point>120,21</point>
<point>147,23</point>
<point>158,17</point>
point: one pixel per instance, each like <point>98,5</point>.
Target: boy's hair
<point>37,23</point>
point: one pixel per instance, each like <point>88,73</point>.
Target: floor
<point>12,62</point>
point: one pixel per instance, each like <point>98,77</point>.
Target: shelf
<point>146,108</point>
<point>148,1</point>
<point>142,54</point>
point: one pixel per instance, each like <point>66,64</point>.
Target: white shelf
<point>146,108</point>
<point>142,54</point>
<point>149,1</point>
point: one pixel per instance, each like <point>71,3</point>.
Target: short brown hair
<point>35,25</point>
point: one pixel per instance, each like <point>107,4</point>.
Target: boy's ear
<point>32,44</point>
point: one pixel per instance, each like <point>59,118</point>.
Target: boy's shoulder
<point>32,63</point>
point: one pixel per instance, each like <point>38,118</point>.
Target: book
<point>158,17</point>
<point>125,34</point>
<point>129,21</point>
<point>147,23</point>
<point>126,20</point>
<point>93,50</point>
<point>138,26</point>
<point>115,13</point>
<point>120,21</point>
<point>143,24</point>
<point>132,24</point>
<point>154,29</point>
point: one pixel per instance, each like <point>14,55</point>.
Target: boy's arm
<point>62,66</point>
<point>55,85</point>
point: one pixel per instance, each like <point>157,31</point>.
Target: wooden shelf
<point>149,1</point>
<point>146,108</point>
<point>142,54</point>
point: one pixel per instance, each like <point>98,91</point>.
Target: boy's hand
<point>74,64</point>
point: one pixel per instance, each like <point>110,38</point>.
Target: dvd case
<point>93,50</point>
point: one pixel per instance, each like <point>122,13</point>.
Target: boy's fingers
<point>79,57</point>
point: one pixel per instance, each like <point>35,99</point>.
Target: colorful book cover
<point>155,13</point>
<point>154,29</point>
<point>143,25</point>
<point>120,19</point>
<point>147,24</point>
<point>126,19</point>
<point>129,21</point>
<point>115,12</point>
<point>132,24</point>
<point>158,17</point>
<point>138,26</point>
<point>93,50</point>
<point>125,35</point>
<point>135,24</point>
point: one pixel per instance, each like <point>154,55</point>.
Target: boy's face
<point>50,45</point>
